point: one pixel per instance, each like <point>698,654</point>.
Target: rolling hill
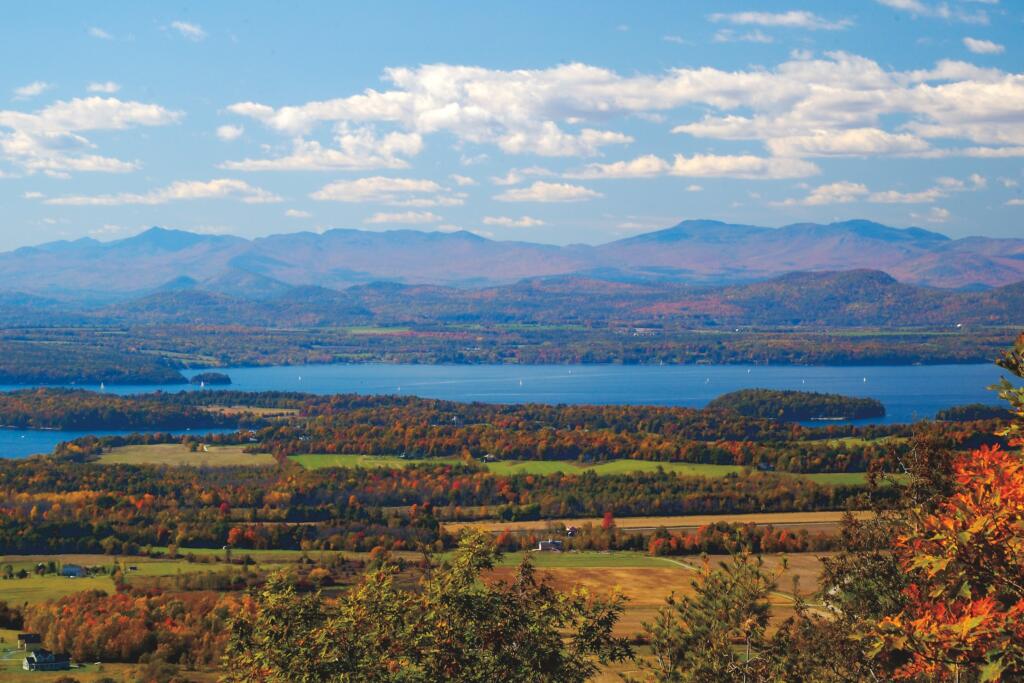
<point>860,298</point>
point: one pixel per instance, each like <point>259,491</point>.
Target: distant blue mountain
<point>693,251</point>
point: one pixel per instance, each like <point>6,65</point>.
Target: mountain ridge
<point>696,251</point>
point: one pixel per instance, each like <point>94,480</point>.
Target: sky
<point>567,122</point>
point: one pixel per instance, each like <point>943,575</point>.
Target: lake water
<point>20,443</point>
<point>908,392</point>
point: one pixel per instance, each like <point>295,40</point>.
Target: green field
<point>224,456</point>
<point>545,467</point>
<point>177,454</point>
<point>507,467</point>
<point>41,588</point>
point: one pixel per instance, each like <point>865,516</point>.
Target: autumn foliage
<point>966,598</point>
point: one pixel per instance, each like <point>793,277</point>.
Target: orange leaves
<point>966,560</point>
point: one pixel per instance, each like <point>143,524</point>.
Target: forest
<point>799,405</point>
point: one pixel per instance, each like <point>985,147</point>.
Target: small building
<point>29,641</point>
<point>490,457</point>
<point>44,660</point>
<point>74,571</point>
<point>571,531</point>
<point>550,545</point>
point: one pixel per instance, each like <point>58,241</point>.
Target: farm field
<point>254,410</point>
<point>813,520</point>
<point>647,583</point>
<point>545,467</point>
<point>644,580</point>
<point>177,454</point>
<point>35,589</point>
<point>227,456</point>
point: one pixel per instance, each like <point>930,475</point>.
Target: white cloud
<point>375,189</point>
<point>1008,182</point>
<point>97,32</point>
<point>51,141</point>
<point>542,191</point>
<point>852,142</point>
<point>935,215</point>
<point>509,222</point>
<point>989,152</point>
<point>894,197</point>
<point>727,35</point>
<point>409,217</point>
<point>518,175</point>
<point>983,47</point>
<point>461,180</point>
<point>836,104</point>
<point>221,188</point>
<point>549,140</point>
<point>297,213</point>
<point>193,32</point>
<point>678,40</point>
<point>741,166</point>
<point>701,166</point>
<point>791,19</point>
<point>31,90</point>
<point>107,87</point>
<point>694,188</point>
<point>358,148</point>
<point>228,132</point>
<point>645,166</point>
<point>939,10</point>
<point>1015,202</point>
<point>33,195</point>
<point>842,192</point>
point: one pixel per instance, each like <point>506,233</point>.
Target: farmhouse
<point>550,545</point>
<point>44,660</point>
<point>29,641</point>
<point>74,571</point>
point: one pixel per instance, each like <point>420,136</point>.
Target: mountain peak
<point>702,229</point>
<point>871,229</point>
<point>167,239</point>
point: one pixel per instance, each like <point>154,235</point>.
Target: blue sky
<point>552,122</point>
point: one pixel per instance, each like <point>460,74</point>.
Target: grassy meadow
<point>177,454</point>
<point>225,456</point>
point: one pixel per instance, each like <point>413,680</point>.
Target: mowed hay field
<point>314,461</point>
<point>820,521</point>
<point>650,580</point>
<point>176,454</point>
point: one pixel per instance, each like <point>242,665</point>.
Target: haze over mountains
<point>693,252</point>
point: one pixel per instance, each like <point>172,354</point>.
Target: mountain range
<point>854,298</point>
<point>704,252</point>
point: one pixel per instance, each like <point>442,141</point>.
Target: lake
<point>908,392</point>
